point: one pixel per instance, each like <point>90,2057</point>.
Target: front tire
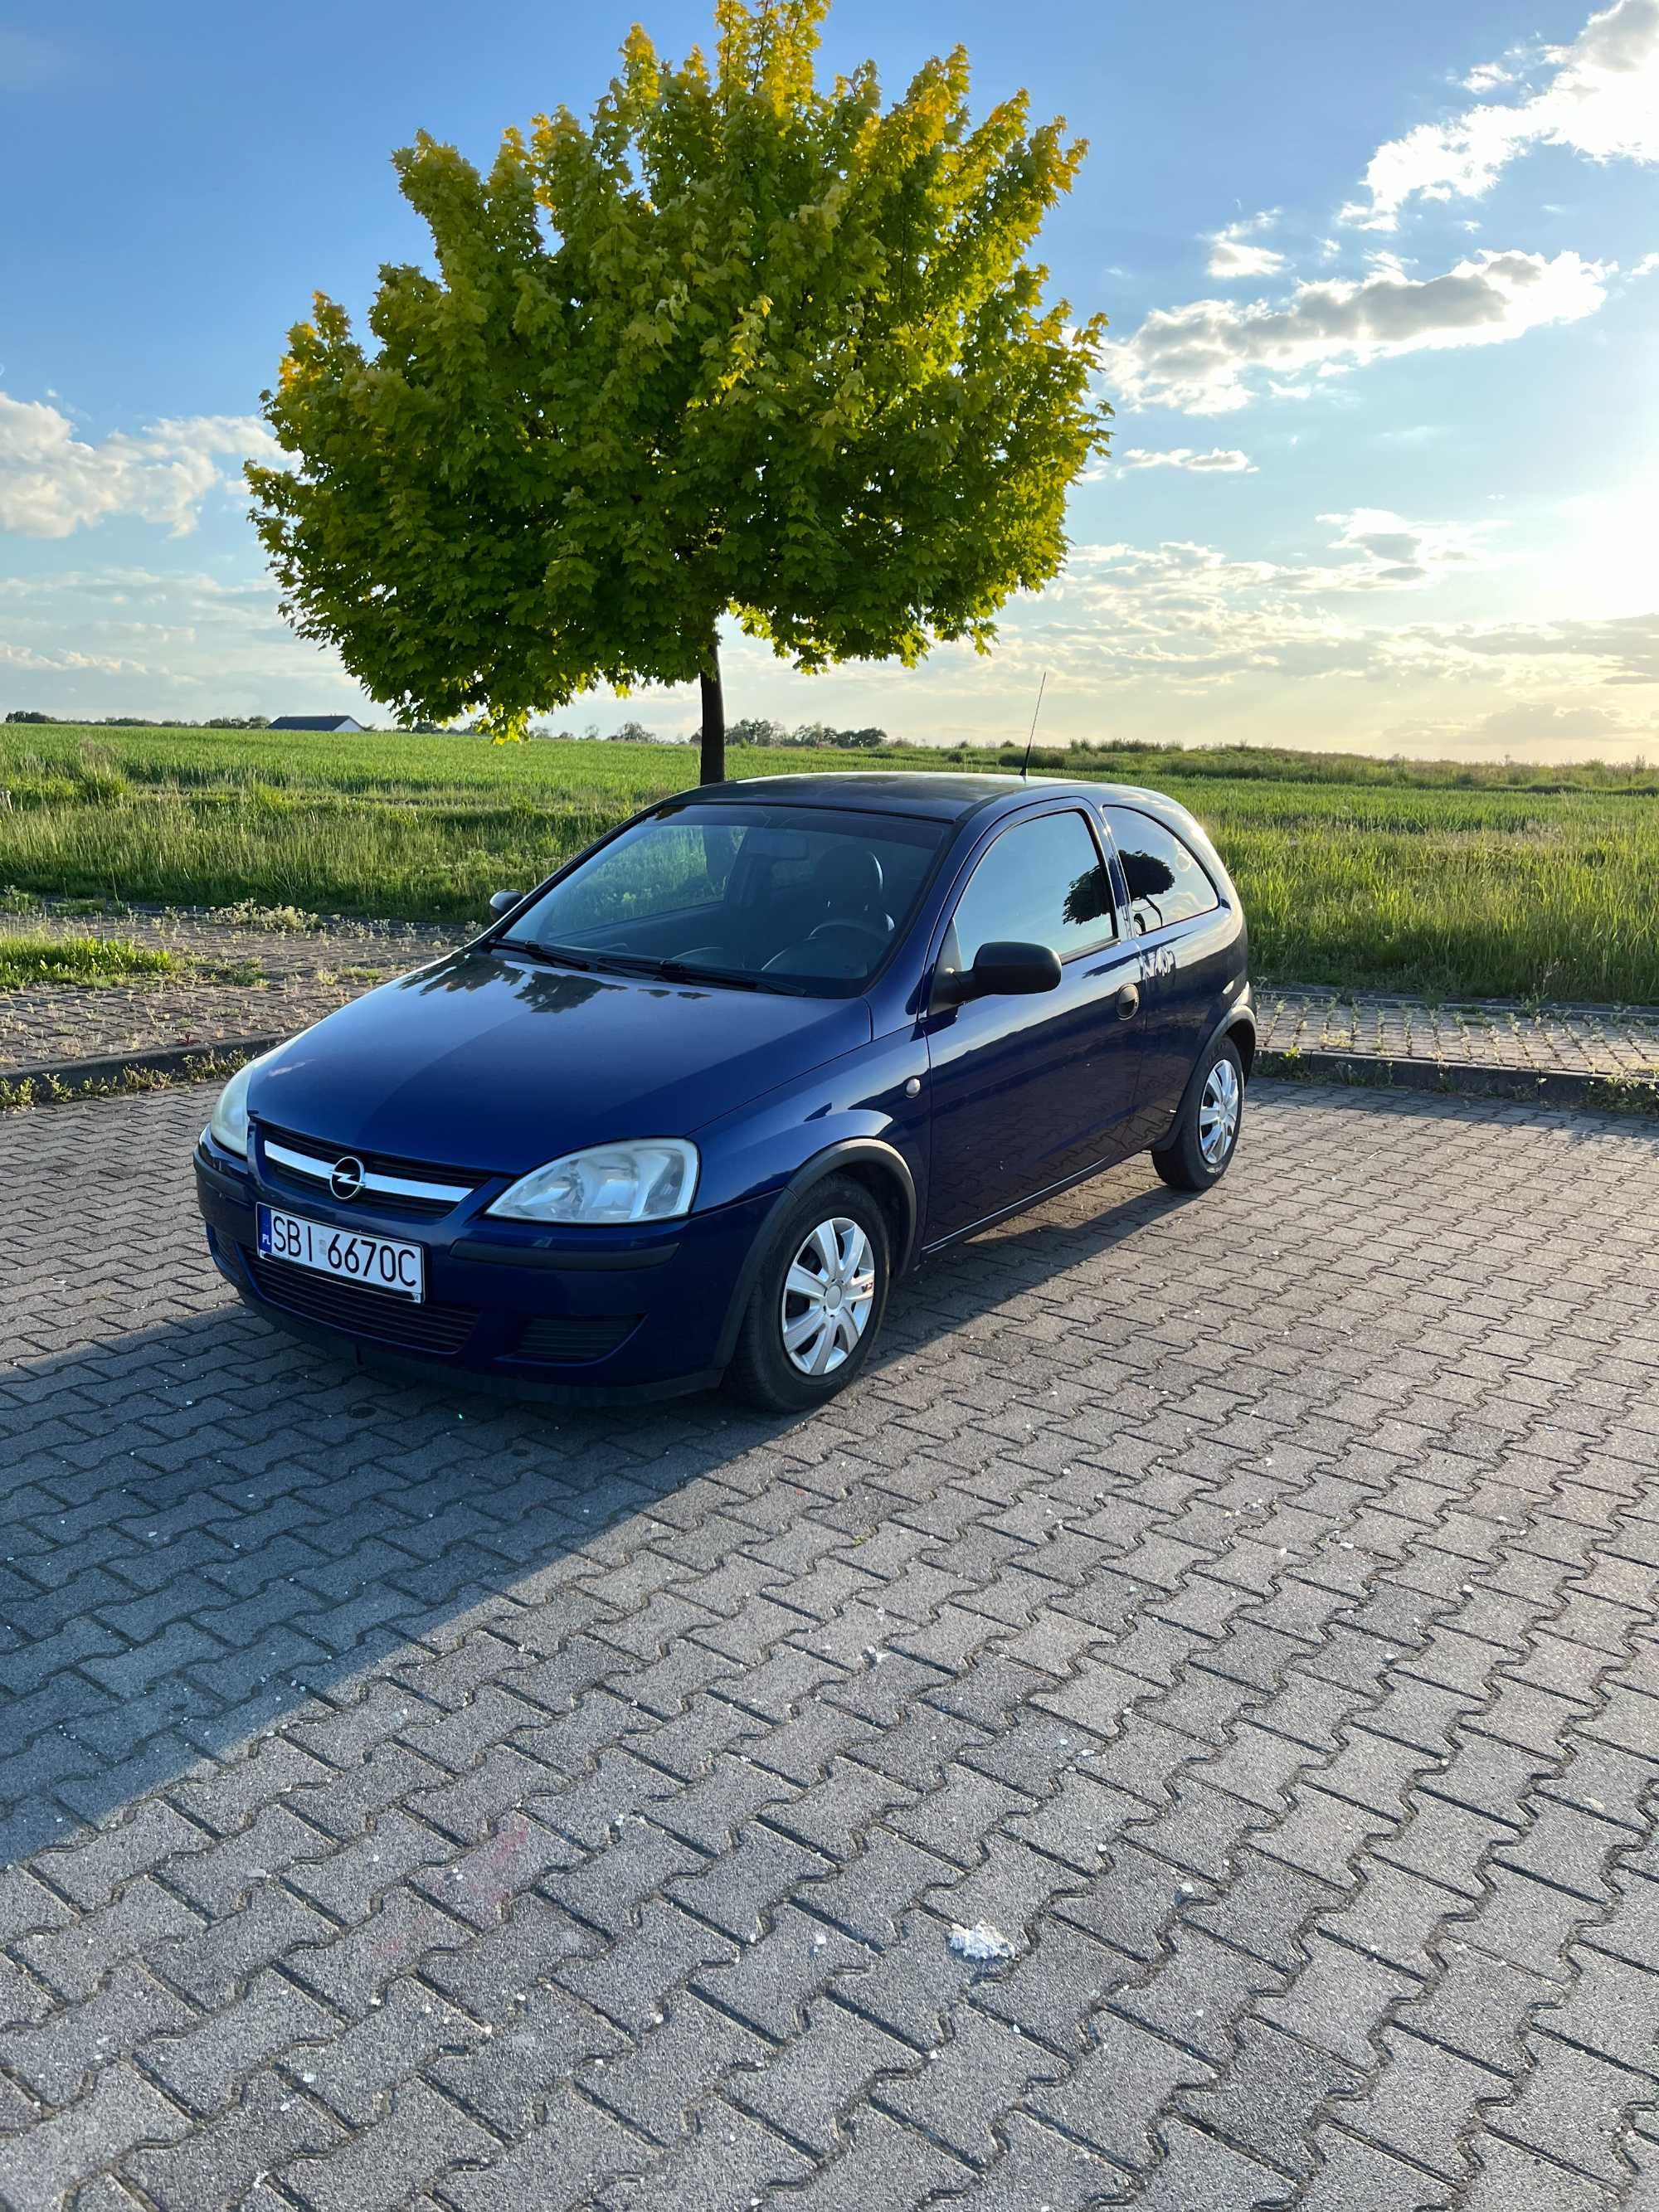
<point>1205,1138</point>
<point>817,1302</point>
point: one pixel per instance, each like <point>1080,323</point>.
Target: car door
<point>1025,1092</point>
<point>1177,921</point>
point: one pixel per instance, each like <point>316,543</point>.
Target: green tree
<point>739,346</point>
<point>757,730</point>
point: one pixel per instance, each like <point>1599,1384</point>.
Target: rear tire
<point>817,1302</point>
<point>1205,1138</point>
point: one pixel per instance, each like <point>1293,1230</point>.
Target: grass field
<point>1435,877</point>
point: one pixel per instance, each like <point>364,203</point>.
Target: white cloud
<point>1205,358</point>
<point>1231,255</point>
<point>1602,101</point>
<point>1529,719</point>
<point>1540,726</point>
<point>1626,645</point>
<point>1228,257</point>
<point>1391,554</point>
<point>112,640</point>
<point>54,482</point>
<point>1222,460</point>
<point>1187,639</point>
<point>64,660</point>
<point>1377,551</point>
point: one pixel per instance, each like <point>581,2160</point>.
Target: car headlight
<point>647,1179</point>
<point>228,1123</point>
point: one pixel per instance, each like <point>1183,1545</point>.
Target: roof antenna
<point>1025,766</point>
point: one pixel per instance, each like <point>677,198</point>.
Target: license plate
<point>378,1263</point>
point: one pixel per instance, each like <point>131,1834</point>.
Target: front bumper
<point>592,1316</point>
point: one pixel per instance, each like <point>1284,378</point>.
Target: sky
<point>1383,295</point>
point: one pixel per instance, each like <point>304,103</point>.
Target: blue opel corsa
<point>684,1113</point>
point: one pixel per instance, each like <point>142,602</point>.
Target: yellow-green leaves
<point>739,344</point>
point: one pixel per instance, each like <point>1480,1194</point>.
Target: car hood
<point>490,1063</point>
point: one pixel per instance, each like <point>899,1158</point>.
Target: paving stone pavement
<point>1620,1041</point>
<point>1246,1605</point>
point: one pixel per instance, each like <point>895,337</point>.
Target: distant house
<point>336,722</point>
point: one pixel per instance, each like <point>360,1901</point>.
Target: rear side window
<point>1041,882</point>
<point>1167,879</point>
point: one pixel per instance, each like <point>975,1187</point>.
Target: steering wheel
<point>843,922</point>
<point>819,952</point>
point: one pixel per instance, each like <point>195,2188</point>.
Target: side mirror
<point>502,902</point>
<point>1002,970</point>
<point>1007,970</point>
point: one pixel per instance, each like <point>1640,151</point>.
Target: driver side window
<point>1041,882</point>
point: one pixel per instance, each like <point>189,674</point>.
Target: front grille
<point>569,1339</point>
<point>450,1185</point>
<point>358,1310</point>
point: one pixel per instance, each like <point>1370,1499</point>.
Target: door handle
<point>1128,1002</point>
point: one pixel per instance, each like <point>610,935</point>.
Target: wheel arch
<point>1238,1024</point>
<point>880,1168</point>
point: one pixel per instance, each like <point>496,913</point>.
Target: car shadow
<point>207,1525</point>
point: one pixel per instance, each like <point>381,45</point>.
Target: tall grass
<point>1394,876</point>
<point>35,957</point>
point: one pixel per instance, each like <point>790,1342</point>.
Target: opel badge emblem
<point>345,1177</point>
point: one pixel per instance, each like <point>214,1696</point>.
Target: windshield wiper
<point>682,971</point>
<point>555,956</point>
<point>677,972</point>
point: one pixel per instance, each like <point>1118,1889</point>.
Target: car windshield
<point>795,898</point>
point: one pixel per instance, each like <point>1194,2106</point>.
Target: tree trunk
<point>714,715</point>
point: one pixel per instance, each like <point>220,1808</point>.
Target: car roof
<point>943,795</point>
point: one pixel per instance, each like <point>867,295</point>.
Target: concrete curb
<point>1604,1094</point>
<point>54,1082</point>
